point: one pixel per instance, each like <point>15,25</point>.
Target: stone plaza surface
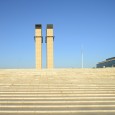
<point>57,91</point>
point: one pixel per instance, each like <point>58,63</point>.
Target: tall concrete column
<point>49,42</point>
<point>38,45</point>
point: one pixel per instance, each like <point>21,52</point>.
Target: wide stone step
<point>56,98</point>
<point>43,90</point>
<point>57,92</point>
<point>55,95</point>
<point>54,103</point>
<point>56,107</point>
<point>67,112</point>
<point>65,85</point>
<point>60,85</point>
<point>110,102</point>
<point>58,89</point>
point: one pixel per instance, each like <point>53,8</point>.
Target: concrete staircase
<point>57,92</point>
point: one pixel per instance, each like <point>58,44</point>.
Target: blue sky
<point>87,23</point>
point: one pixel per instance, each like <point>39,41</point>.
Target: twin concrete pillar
<point>38,45</point>
<point>49,45</point>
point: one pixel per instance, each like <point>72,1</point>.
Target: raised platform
<point>57,91</point>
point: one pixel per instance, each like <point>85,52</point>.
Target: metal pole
<point>81,56</point>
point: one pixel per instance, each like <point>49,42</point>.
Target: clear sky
<point>87,23</point>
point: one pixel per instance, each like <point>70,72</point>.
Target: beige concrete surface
<point>57,91</point>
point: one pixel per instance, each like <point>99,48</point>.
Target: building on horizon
<point>110,62</point>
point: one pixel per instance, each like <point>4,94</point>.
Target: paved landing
<point>57,92</point>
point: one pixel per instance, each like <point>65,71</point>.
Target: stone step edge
<point>53,106</point>
<point>24,102</point>
<point>61,98</point>
<point>54,89</point>
<point>56,92</point>
<point>55,95</point>
<point>65,84</point>
<point>77,111</point>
